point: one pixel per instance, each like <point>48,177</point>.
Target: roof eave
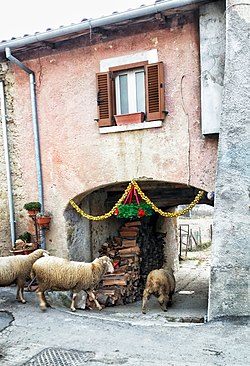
<point>90,24</point>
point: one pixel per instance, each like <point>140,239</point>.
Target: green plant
<point>44,214</point>
<point>32,206</point>
<point>26,237</point>
<point>133,210</point>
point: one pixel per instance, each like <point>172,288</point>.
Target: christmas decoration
<point>122,209</point>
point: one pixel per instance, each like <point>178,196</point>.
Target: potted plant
<point>32,207</point>
<point>23,244</point>
<point>43,219</point>
<point>25,237</point>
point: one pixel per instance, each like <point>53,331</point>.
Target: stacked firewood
<point>122,286</point>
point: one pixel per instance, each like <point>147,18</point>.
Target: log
<point>132,223</point>
<point>128,234</point>
<point>133,229</point>
<point>114,277</point>
<point>123,285</point>
<point>114,282</point>
<point>131,256</point>
<point>129,242</point>
<point>135,250</point>
<point>111,253</point>
<point>118,240</point>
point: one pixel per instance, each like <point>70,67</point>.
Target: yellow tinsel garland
<point>144,197</point>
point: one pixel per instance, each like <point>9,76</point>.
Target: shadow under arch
<point>84,237</point>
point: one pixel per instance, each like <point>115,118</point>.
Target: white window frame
<point>132,90</point>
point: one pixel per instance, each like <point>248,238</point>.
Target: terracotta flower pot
<point>28,251</point>
<point>43,221</point>
<point>17,251</point>
<point>130,118</point>
<point>32,212</point>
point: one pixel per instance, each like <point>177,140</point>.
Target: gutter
<point>7,162</point>
<point>90,24</point>
<point>36,131</point>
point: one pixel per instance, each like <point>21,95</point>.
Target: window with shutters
<point>126,89</point>
<point>130,91</point>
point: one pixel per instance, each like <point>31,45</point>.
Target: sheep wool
<point>161,284</point>
<point>62,274</point>
<point>16,269</point>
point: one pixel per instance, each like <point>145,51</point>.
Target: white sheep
<point>60,274</point>
<point>161,284</point>
<point>16,269</point>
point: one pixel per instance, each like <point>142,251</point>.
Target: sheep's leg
<point>169,303</point>
<point>92,297</point>
<point>72,306</point>
<point>146,297</point>
<point>41,299</point>
<point>19,293</point>
<point>163,300</point>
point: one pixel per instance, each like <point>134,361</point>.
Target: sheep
<point>161,284</point>
<point>61,274</point>
<point>16,269</point>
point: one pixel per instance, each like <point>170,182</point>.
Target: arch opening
<point>157,239</point>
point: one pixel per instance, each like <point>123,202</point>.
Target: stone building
<point>173,62</point>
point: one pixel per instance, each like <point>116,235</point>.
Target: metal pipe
<point>7,163</point>
<point>35,129</point>
<point>99,22</point>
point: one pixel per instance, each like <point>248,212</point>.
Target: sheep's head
<point>108,263</point>
<point>45,253</point>
<point>41,252</point>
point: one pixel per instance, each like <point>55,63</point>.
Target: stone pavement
<point>122,335</point>
<point>189,301</point>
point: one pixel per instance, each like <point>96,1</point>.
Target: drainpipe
<point>7,162</point>
<point>36,132</point>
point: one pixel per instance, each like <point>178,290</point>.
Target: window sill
<point>131,127</point>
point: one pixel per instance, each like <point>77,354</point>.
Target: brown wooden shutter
<point>104,99</point>
<point>155,91</point>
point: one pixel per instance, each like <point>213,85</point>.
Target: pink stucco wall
<point>76,157</point>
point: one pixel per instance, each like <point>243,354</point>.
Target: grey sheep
<point>60,274</point>
<point>161,284</point>
<point>16,269</point>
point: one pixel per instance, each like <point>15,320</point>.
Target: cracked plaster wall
<point>76,158</point>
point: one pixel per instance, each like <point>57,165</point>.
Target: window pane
<point>123,81</point>
<point>140,91</point>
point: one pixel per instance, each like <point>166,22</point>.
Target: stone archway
<point>85,237</point>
